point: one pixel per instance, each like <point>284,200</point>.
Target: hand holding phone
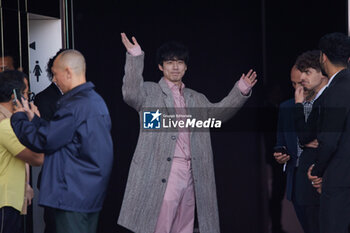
<point>281,155</point>
<point>28,107</point>
<point>17,96</point>
<point>280,149</point>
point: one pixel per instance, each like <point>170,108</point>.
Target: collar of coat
<point>169,100</point>
<point>167,91</point>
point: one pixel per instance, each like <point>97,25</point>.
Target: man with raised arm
<point>172,169</point>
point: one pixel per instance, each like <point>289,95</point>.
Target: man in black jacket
<point>46,99</point>
<point>333,160</point>
<point>291,134</point>
<point>313,81</point>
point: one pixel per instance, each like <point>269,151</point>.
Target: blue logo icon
<point>151,120</point>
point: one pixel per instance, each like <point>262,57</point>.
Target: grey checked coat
<point>151,163</point>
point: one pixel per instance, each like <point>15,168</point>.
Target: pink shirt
<point>182,148</point>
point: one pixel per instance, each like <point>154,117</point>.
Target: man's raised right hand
<point>133,48</point>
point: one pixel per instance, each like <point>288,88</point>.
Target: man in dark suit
<point>46,102</point>
<point>306,76</point>
<point>46,99</point>
<point>285,137</point>
<point>313,81</point>
<point>333,160</point>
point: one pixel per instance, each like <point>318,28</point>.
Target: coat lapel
<point>169,101</point>
<point>168,97</point>
<point>189,101</point>
<point>189,105</point>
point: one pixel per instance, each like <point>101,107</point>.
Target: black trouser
<point>10,220</point>
<point>308,216</point>
<point>306,202</point>
<point>335,210</point>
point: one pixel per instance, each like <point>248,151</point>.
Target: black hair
<point>172,50</point>
<point>309,59</point>
<point>336,46</point>
<point>9,80</point>
<point>50,64</point>
<point>13,56</point>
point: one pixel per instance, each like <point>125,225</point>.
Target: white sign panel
<point>45,40</point>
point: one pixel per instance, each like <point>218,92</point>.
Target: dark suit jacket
<point>306,132</point>
<point>333,160</point>
<point>46,101</point>
<point>287,137</point>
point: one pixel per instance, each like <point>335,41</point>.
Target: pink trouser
<point>177,211</point>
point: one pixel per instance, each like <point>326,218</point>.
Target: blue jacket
<point>286,136</point>
<point>78,148</point>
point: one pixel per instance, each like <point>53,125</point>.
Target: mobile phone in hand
<point>283,150</point>
<point>17,96</point>
<point>280,149</point>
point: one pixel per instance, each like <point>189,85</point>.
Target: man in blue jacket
<point>77,145</point>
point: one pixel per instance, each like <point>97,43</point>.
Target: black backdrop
<point>294,26</point>
<point>225,39</point>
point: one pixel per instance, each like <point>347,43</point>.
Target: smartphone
<point>281,149</point>
<point>17,96</point>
